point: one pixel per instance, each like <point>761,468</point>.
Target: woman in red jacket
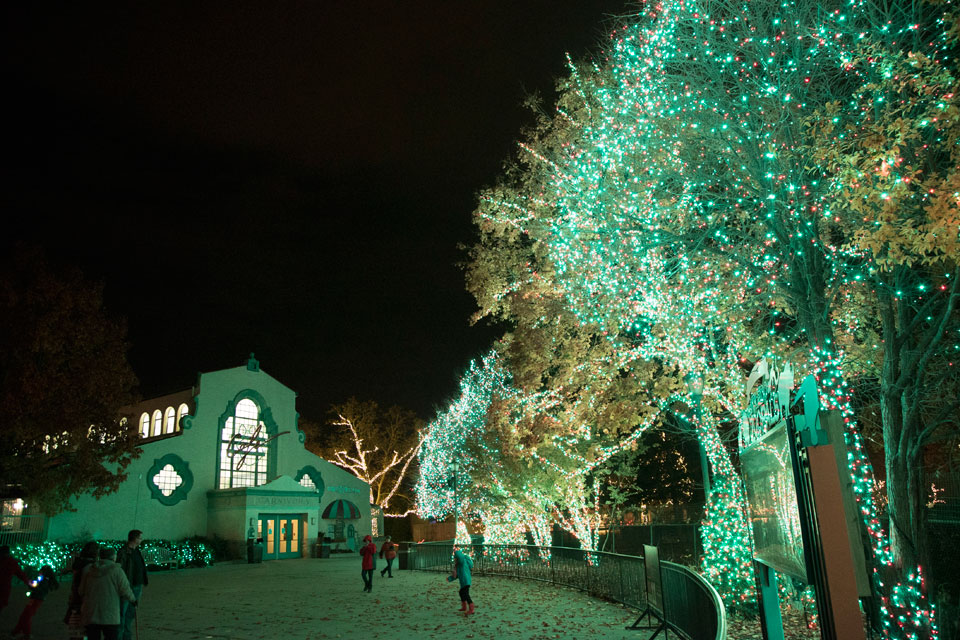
<point>368,552</point>
<point>388,551</point>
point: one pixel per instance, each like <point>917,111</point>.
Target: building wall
<point>134,506</point>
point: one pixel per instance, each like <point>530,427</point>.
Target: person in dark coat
<point>39,588</point>
<point>88,555</point>
<point>9,567</point>
<point>131,561</point>
<point>388,551</point>
<point>368,552</point>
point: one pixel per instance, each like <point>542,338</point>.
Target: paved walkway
<point>309,598</point>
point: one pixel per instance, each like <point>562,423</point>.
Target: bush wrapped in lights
<point>60,555</point>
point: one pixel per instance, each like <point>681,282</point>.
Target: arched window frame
<point>182,410</point>
<point>144,425</point>
<point>169,420</point>
<point>157,427</point>
<point>311,472</point>
<point>257,462</point>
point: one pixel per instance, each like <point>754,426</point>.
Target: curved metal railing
<point>692,608</point>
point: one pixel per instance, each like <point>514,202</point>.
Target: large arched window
<point>244,447</point>
<point>169,420</point>
<point>145,425</point>
<point>157,423</point>
<point>181,411</point>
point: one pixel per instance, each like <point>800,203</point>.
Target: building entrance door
<point>281,536</point>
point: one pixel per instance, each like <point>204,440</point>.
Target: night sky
<point>291,179</point>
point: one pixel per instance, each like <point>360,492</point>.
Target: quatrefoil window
<point>169,479</point>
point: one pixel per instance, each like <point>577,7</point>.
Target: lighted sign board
<point>772,497</point>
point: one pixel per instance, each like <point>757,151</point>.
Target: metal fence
<point>680,543</point>
<point>692,607</point>
<point>945,507</point>
<point>18,529</point>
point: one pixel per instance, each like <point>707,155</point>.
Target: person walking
<point>462,568</point>
<point>131,561</point>
<point>368,552</point>
<point>388,551</point>
<point>102,587</point>
<point>9,567</point>
<point>88,555</point>
<point>39,588</point>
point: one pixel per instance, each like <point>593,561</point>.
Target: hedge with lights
<point>187,553</point>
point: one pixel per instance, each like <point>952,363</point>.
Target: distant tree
<point>665,469</point>
<point>64,377</point>
<point>376,445</point>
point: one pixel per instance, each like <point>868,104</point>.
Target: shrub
<point>59,555</point>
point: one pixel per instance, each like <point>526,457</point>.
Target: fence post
<point>553,566</point>
<point>620,565</point>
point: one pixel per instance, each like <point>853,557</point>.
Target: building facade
<point>226,459</point>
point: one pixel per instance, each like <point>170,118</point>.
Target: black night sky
<point>286,178</point>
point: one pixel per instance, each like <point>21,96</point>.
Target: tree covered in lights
<point>376,445</point>
<point>589,388</point>
<point>593,380</point>
<point>577,398</point>
<point>444,487</point>
<point>890,153</point>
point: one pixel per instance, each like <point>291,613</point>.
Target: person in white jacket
<point>102,586</point>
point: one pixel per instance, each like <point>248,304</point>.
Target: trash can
<point>254,550</point>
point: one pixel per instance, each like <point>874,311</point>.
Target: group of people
<point>104,593</point>
<point>462,569</point>
<point>107,586</point>
<point>388,551</point>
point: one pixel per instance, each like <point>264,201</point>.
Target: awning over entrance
<point>341,509</point>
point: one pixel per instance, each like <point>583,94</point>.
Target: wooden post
<point>838,561</point>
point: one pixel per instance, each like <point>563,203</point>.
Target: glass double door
<point>280,535</point>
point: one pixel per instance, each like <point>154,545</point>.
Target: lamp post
<point>695,385</point>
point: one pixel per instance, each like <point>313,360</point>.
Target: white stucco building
<point>226,459</point>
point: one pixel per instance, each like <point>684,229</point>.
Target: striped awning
<point>341,509</point>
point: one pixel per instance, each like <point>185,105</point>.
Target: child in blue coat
<point>462,567</point>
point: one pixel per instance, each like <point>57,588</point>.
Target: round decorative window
<point>169,479</point>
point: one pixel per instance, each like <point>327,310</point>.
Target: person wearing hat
<point>369,553</point>
<point>388,551</point>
